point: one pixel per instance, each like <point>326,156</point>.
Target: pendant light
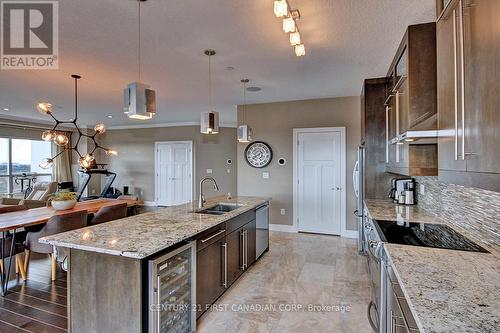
<point>244,131</point>
<point>139,99</point>
<point>209,122</point>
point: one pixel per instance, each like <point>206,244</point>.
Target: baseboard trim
<point>150,203</point>
<point>349,234</point>
<point>282,228</point>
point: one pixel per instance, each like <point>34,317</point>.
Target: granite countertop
<point>142,235</point>
<point>446,290</point>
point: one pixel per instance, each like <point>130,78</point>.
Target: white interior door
<point>174,182</point>
<point>319,182</point>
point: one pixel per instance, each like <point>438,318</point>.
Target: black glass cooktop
<point>426,235</point>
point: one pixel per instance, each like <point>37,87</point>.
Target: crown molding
<point>175,124</point>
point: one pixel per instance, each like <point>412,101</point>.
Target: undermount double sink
<point>219,209</point>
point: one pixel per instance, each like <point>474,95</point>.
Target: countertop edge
<point>140,255</point>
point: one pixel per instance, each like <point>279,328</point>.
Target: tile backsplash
<point>472,209</point>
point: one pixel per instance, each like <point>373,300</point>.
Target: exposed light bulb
<point>48,135</point>
<point>46,163</point>
<point>44,107</point>
<point>100,128</point>
<point>111,152</point>
<point>88,157</point>
<point>300,50</point>
<point>61,140</point>
<point>84,163</point>
<point>280,8</point>
<point>289,24</point>
<point>295,38</point>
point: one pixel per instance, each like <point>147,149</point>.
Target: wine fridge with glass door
<point>172,291</point>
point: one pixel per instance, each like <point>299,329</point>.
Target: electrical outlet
<point>265,175</point>
<point>209,171</point>
<point>422,189</point>
<point>283,211</point>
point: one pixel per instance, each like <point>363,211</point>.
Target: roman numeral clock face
<point>258,154</point>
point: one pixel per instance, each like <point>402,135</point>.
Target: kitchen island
<point>111,282</point>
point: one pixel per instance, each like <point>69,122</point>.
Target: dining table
<point>11,222</point>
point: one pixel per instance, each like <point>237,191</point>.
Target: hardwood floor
<point>37,305</point>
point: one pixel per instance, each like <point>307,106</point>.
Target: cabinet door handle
<point>246,249</point>
<point>242,236</point>
<point>214,235</point>
<point>224,283</point>
<point>455,78</point>
<point>462,72</point>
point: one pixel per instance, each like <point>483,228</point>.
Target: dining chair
<point>109,213</point>
<point>18,247</point>
<point>55,225</point>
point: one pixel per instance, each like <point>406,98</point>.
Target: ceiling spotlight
<point>48,135</point>
<point>300,50</point>
<point>110,116</point>
<point>280,8</point>
<point>295,38</point>
<point>289,24</point>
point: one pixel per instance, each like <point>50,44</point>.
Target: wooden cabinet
<point>210,273</point>
<point>241,250</point>
<point>223,254</point>
<point>412,103</point>
<point>468,92</point>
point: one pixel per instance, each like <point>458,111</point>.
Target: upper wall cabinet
<point>468,58</point>
<point>411,104</point>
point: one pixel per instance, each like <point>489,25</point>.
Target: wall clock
<point>258,154</point>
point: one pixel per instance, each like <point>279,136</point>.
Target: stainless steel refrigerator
<point>358,176</point>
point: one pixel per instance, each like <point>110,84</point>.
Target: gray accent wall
<point>273,123</point>
<point>135,163</point>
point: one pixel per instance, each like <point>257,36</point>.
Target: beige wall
<point>273,123</point>
<point>135,163</point>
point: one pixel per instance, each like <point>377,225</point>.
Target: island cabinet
<point>223,254</point>
<point>468,92</point>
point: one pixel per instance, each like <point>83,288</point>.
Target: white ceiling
<point>346,40</point>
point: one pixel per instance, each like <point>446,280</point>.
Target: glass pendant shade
<point>88,157</point>
<point>289,24</point>
<point>48,135</point>
<point>300,50</point>
<point>111,152</point>
<point>84,163</point>
<point>100,128</point>
<point>295,38</point>
<point>280,8</point>
<point>245,134</point>
<point>209,123</point>
<point>61,140</point>
<point>46,163</point>
<point>44,107</point>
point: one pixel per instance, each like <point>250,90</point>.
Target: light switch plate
<point>282,211</point>
<point>209,171</point>
<point>265,175</point>
<point>422,189</point>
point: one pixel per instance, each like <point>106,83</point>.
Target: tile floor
<point>301,270</point>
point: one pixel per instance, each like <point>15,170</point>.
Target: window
<point>21,156</point>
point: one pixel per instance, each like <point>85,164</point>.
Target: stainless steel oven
<point>374,249</point>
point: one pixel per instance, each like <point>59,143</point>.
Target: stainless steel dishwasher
<point>262,233</point>
<point>172,291</point>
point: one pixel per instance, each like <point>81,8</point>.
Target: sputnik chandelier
<point>290,16</point>
<point>87,160</point>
